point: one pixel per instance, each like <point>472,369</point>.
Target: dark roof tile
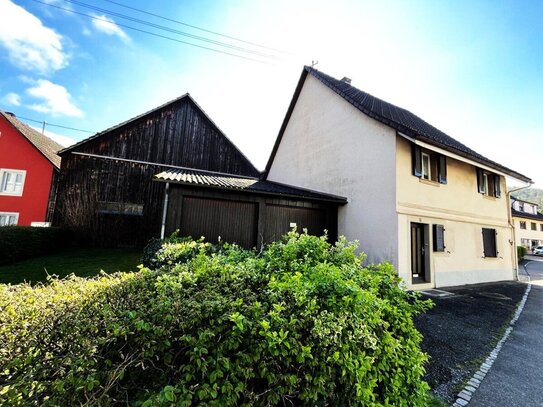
<point>404,121</point>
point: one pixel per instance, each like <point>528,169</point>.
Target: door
<point>419,253</point>
<point>229,221</point>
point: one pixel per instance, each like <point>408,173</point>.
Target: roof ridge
<point>411,124</point>
<point>45,145</point>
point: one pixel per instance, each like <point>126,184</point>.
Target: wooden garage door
<point>279,218</point>
<point>233,221</point>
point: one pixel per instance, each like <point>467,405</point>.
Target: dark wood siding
<point>177,134</point>
<point>249,219</point>
<point>232,221</point>
<point>279,219</point>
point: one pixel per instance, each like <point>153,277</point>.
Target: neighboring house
<point>528,223</point>
<point>204,185</point>
<point>29,167</point>
<point>430,205</point>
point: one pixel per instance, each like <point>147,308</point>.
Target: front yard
<point>81,262</point>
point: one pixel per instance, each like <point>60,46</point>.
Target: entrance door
<point>418,252</point>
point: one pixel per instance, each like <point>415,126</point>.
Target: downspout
<point>512,226</point>
<point>164,210</point>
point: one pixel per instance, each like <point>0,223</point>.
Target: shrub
<point>303,323</point>
<point>22,242</point>
<point>521,252</point>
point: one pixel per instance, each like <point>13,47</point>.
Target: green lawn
<point>81,262</point>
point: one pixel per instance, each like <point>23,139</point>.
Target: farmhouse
<point>29,167</point>
<point>416,197</point>
<point>172,168</point>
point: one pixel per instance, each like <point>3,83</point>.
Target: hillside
<point>532,195</point>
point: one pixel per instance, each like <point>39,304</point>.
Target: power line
<point>172,30</point>
<point>154,34</point>
<point>194,26</point>
<point>54,125</point>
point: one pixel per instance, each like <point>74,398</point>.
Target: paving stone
<point>461,402</point>
<point>470,388</point>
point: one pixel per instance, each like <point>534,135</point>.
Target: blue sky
<point>471,68</point>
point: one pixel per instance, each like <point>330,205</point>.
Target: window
<point>521,206</point>
<point>488,183</point>
<point>541,227</point>
<point>534,226</point>
<point>489,242</point>
<point>120,208</point>
<point>522,224</point>
<point>426,167</point>
<point>429,165</point>
<point>439,238</point>
<point>12,182</point>
<point>8,219</point>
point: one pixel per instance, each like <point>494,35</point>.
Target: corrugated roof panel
<point>226,181</point>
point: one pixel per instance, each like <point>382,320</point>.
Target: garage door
<point>233,221</point>
<point>279,219</point>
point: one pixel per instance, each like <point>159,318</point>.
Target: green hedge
<point>303,323</point>
<point>22,242</point>
<point>521,252</point>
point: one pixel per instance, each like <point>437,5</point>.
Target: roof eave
<point>341,202</point>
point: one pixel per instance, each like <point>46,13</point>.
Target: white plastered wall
<point>330,146</point>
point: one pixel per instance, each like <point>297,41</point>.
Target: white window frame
<point>3,171</point>
<point>426,168</point>
<point>485,184</point>
<point>14,214</point>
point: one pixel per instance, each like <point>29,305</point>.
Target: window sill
<point>10,194</point>
<point>490,197</point>
<point>429,182</point>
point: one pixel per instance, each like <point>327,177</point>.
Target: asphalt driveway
<point>462,329</point>
<point>516,378</point>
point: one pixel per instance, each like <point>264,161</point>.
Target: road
<point>516,378</point>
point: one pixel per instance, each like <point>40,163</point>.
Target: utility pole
<point>43,128</point>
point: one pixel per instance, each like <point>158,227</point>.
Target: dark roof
<point>519,214</point>
<point>43,144</point>
<point>396,117</point>
<point>244,184</point>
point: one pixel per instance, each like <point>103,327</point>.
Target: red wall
<point>17,153</point>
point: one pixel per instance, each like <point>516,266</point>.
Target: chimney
<point>346,80</point>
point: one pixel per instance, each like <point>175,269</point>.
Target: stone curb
<point>464,397</point>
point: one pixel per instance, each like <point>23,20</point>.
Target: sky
<point>473,69</point>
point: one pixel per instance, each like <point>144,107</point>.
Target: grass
<point>81,262</point>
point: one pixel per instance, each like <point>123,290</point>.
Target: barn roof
<point>393,116</point>
<point>245,184</point>
<point>186,96</point>
<point>47,147</point>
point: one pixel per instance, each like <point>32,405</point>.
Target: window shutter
<point>497,188</point>
<point>439,238</point>
<point>480,182</point>
<point>442,169</point>
<point>417,166</point>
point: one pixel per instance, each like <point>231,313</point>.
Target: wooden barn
<point>172,168</point>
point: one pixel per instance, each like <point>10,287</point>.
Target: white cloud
<point>108,26</point>
<point>12,99</point>
<point>31,46</point>
<point>56,99</point>
<point>64,141</point>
